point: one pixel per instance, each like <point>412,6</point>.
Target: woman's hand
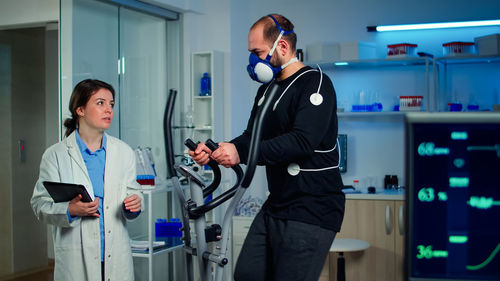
<point>133,203</point>
<point>78,208</point>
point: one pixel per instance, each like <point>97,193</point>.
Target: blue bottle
<point>205,85</point>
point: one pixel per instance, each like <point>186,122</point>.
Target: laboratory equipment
<point>410,103</point>
<point>342,143</point>
<point>169,231</point>
<point>401,50</point>
<point>452,196</point>
<point>458,48</point>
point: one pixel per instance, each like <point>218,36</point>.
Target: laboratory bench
<point>388,194</point>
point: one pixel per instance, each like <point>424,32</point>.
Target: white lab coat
<point>77,244</point>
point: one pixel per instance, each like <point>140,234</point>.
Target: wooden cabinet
<point>378,223</point>
<point>399,240</point>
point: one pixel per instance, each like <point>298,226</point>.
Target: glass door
<point>128,50</point>
<point>143,82</point>
<point>89,49</point>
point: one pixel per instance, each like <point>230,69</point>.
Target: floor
<point>47,275</point>
<point>41,275</point>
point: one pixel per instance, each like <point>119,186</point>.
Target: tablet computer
<point>63,192</point>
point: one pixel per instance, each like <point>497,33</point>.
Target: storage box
<point>410,103</point>
<point>401,50</point>
<point>458,48</point>
<point>322,52</point>
<point>488,45</point>
<point>357,50</point>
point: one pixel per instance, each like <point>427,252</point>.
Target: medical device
<point>452,196</point>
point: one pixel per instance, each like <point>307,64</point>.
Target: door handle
<point>401,221</point>
<point>388,225</point>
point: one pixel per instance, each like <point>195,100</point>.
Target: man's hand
<point>226,155</point>
<point>133,203</point>
<point>77,208</point>
<point>201,154</point>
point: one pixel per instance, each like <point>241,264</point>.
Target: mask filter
<point>261,70</point>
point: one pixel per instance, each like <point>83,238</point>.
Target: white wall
<point>205,32</point>
<point>179,6</point>
<point>26,13</point>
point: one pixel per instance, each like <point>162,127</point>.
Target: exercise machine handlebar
<point>167,129</point>
<point>197,211</point>
<point>213,165</point>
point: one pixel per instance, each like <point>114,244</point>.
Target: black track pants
<point>276,249</point>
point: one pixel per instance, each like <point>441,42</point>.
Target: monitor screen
<point>453,196</point>
<point>342,143</point>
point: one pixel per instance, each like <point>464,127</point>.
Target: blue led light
<point>437,25</point>
<point>341,63</point>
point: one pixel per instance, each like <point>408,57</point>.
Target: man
<point>290,237</point>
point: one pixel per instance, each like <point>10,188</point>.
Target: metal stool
<point>341,245</point>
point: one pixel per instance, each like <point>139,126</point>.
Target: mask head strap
<point>281,30</point>
<point>282,33</point>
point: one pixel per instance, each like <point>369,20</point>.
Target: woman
<point>91,241</point>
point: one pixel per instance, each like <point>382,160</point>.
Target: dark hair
<point>80,96</point>
<point>271,31</point>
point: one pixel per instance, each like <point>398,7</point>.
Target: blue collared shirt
<point>95,163</point>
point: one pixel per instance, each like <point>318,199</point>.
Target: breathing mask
<point>261,70</point>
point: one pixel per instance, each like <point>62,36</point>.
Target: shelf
<point>383,114</point>
<point>204,128</point>
<point>467,59</point>
<point>389,62</point>
<point>145,254</point>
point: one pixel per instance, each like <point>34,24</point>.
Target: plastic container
<point>455,107</point>
<point>458,48</point>
<point>169,231</point>
<point>410,103</point>
<point>205,87</point>
<point>366,102</point>
<point>472,107</point>
<point>401,50</point>
<point>355,184</point>
<point>145,179</point>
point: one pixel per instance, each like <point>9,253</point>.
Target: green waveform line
<point>486,262</point>
<point>482,202</point>
<point>486,148</point>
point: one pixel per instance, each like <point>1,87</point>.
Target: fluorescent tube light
<point>401,27</point>
<point>341,63</point>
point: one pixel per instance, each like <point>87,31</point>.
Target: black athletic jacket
<point>300,132</point>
